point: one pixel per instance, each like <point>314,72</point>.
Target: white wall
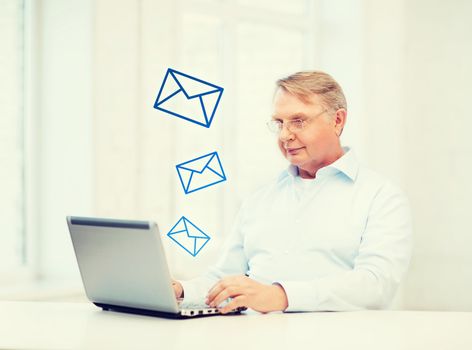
<point>438,151</point>
<point>417,76</point>
<point>63,124</point>
<point>405,69</point>
<point>137,147</point>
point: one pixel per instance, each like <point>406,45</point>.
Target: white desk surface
<point>45,325</point>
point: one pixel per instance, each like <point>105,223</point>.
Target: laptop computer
<point>123,268</point>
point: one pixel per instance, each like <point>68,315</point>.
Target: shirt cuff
<point>301,296</point>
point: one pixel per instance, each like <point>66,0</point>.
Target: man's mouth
<point>293,150</point>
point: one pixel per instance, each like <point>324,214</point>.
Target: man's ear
<point>339,121</point>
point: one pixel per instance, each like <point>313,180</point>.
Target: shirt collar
<point>346,164</point>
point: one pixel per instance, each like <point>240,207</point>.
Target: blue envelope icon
<point>188,236</point>
<point>188,98</point>
<point>201,172</point>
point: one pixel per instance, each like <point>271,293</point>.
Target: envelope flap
<point>194,231</point>
<point>197,164</point>
<point>168,89</point>
<point>186,242</point>
<point>210,102</point>
<point>194,87</point>
<point>215,165</point>
<point>178,227</point>
<point>200,243</point>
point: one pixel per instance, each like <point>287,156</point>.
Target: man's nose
<point>285,134</point>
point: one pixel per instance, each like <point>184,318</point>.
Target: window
<point>243,46</point>
<point>12,193</point>
<point>247,46</point>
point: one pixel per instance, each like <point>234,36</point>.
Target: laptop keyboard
<point>186,305</point>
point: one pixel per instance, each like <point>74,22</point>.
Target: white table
<point>44,325</point>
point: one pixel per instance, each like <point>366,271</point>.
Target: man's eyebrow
<point>298,116</point>
<point>291,117</point>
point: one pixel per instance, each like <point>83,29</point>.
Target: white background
<point>99,148</point>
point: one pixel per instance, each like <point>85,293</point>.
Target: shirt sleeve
<point>384,255</point>
<point>232,261</point>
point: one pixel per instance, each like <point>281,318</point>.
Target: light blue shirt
<point>341,241</point>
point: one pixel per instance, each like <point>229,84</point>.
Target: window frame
<point>27,270</point>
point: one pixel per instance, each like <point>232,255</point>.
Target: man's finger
<point>178,289</point>
<point>219,286</point>
<point>224,295</point>
<point>239,301</point>
<point>213,292</point>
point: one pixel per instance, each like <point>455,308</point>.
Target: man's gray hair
<point>303,84</point>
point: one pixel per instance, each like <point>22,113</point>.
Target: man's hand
<point>178,289</point>
<point>246,292</point>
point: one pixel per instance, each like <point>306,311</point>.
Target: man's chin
<point>295,161</point>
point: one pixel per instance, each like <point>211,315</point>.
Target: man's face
<point>317,144</point>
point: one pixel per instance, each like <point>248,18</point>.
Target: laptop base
<point>153,313</point>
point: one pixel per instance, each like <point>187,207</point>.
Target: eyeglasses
<point>294,125</point>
